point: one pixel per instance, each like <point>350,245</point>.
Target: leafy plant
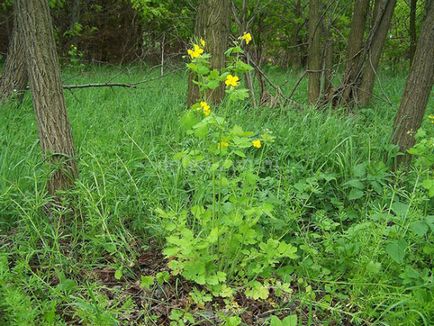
<point>220,238</point>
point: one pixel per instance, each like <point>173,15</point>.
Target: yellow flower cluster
<point>205,108</point>
<point>232,81</point>
<point>197,51</point>
<point>223,144</point>
<point>257,143</point>
<point>431,118</point>
<point>247,37</point>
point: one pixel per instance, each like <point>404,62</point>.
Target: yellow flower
<point>202,42</point>
<point>257,143</point>
<point>206,108</point>
<point>223,144</point>
<point>247,37</point>
<point>431,117</point>
<point>196,52</point>
<point>232,81</point>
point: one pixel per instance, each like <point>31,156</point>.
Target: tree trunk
<point>14,76</point>
<point>328,62</point>
<point>417,90</point>
<point>47,92</point>
<point>212,24</point>
<point>75,13</point>
<point>296,50</point>
<point>355,42</point>
<point>413,36</point>
<point>427,6</point>
<point>248,77</point>
<point>314,53</point>
<point>375,49</point>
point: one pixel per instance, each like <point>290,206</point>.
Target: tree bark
<point>417,90</point>
<point>75,13</point>
<point>213,25</point>
<point>14,78</point>
<point>413,36</point>
<point>375,49</point>
<point>47,92</point>
<point>296,49</point>
<point>314,53</point>
<point>355,43</point>
<point>427,6</point>
<point>328,62</point>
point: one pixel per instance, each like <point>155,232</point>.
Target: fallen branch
<point>109,84</point>
<point>97,85</point>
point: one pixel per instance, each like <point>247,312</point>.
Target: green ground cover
<point>363,234</point>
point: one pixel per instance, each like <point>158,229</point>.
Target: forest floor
<point>363,233</point>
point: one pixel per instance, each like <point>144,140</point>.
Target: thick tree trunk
<point>212,24</point>
<point>375,49</point>
<point>417,91</point>
<point>314,53</point>
<point>47,92</point>
<point>427,6</point>
<point>355,49</point>
<point>14,77</point>
<point>413,36</point>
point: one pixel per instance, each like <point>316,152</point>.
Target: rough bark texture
<point>213,24</point>
<point>14,77</point>
<point>314,53</point>
<point>355,43</point>
<point>375,49</point>
<point>417,90</point>
<point>47,92</point>
<point>328,60</point>
<point>413,36</point>
<point>75,13</point>
<point>296,46</point>
<point>427,6</point>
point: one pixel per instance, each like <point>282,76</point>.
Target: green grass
<point>60,269</point>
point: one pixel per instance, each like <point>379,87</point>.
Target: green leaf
<point>428,184</point>
<point>242,67</point>
<point>399,208</point>
<point>359,170</point>
<point>118,274</point>
<point>274,321</point>
<point>396,250</point>
<point>355,183</point>
<point>238,94</point>
<point>240,153</point>
<point>188,120</point>
<point>373,267</point>
<point>227,163</point>
<point>67,285</point>
<point>212,84</point>
<point>419,227</point>
<point>257,291</point>
<point>291,320</point>
<point>355,194</point>
<point>162,277</point>
<point>146,282</point>
<point>430,221</point>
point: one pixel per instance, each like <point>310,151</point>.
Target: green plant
<point>423,152</point>
<point>220,238</point>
